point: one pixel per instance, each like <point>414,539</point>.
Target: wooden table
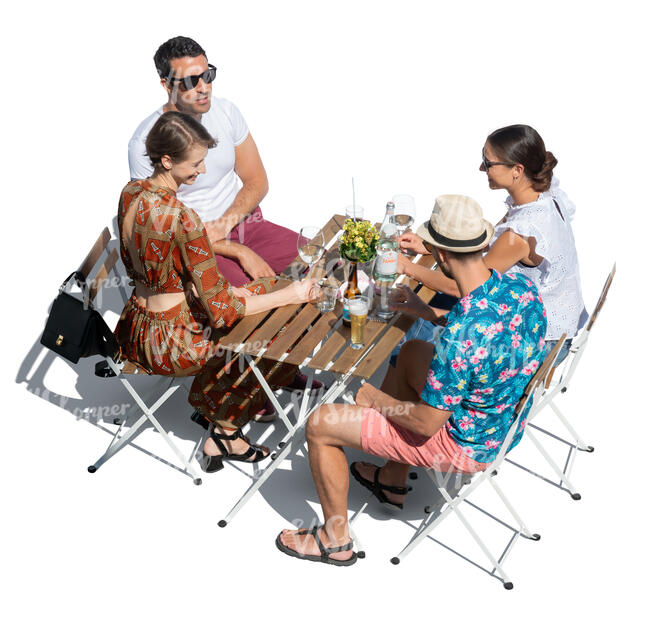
<point>300,334</point>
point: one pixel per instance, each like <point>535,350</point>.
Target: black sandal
<point>377,489</point>
<point>212,464</point>
<point>325,552</point>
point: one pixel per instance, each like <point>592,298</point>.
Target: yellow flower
<point>454,328</point>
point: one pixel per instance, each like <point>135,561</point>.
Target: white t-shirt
<point>213,192</point>
<point>558,276</point>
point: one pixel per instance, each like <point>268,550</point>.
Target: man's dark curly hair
<point>175,48</point>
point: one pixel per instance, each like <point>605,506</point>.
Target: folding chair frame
<point>431,521</point>
<point>553,389</point>
<point>120,439</point>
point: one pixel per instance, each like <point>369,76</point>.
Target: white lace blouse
<point>558,276</point>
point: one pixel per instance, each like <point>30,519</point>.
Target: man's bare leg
<point>406,381</point>
<point>389,385</point>
<point>329,429</point>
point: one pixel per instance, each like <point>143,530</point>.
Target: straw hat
<point>457,225</point>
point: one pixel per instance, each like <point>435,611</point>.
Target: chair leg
<point>119,443</point>
<point>581,445</point>
<point>524,531</point>
<point>507,584</point>
<point>426,527</point>
<point>558,472</point>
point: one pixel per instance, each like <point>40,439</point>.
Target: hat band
<point>443,240</point>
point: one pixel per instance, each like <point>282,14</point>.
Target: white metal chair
<point>532,393</point>
<point>163,389</point>
<point>555,386</point>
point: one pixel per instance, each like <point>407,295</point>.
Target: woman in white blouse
<point>534,237</point>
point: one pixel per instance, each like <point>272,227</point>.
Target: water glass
<point>327,291</point>
<point>384,296</point>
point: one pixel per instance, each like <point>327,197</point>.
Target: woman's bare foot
<point>304,543</point>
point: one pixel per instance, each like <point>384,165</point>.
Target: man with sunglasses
<point>227,196</point>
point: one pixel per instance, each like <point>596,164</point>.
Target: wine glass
<point>404,213</point>
<point>311,245</point>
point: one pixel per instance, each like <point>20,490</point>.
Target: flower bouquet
<point>358,243</point>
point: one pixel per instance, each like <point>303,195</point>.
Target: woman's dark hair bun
<point>522,144</point>
<point>542,179</point>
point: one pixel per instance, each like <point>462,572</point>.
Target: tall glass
<point>404,214</point>
<point>358,307</point>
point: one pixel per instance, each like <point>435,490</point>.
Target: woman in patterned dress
<point>181,306</point>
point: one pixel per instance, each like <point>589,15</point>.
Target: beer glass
<point>358,313</point>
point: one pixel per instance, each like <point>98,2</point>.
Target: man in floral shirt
<point>450,405</point>
<point>483,360</point>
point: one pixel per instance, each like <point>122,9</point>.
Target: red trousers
<point>277,245</point>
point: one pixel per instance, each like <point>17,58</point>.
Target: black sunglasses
<point>487,164</point>
<point>187,83</point>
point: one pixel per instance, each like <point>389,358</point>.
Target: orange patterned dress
<point>175,253</point>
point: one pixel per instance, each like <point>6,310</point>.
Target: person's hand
<point>253,264</point>
<point>404,300</point>
<point>302,291</point>
<point>218,229</point>
<point>241,292</point>
<point>366,396</point>
<point>403,264</point>
<point>411,241</point>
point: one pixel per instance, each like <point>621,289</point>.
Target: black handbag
<point>74,328</point>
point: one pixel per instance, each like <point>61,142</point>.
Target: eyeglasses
<point>487,164</point>
<point>187,83</point>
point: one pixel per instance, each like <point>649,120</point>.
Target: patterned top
<point>484,358</point>
<point>174,250</point>
<point>557,277</point>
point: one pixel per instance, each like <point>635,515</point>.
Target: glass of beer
<point>358,313</point>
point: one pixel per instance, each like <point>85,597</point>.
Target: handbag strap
<point>111,345</point>
<point>80,280</point>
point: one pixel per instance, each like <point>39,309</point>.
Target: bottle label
<point>387,263</point>
<point>346,309</point>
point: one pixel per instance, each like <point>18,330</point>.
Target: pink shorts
<point>380,437</point>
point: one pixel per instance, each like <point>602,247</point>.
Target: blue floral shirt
<point>484,358</point>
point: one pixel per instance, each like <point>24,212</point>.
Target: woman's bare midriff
<point>158,302</point>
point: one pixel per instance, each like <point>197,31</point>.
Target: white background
<point>400,96</point>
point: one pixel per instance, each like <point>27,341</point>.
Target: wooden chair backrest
<point>86,267</point>
<point>542,373</point>
<point>602,298</point>
<point>95,252</point>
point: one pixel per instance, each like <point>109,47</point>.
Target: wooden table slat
<point>314,336</point>
<point>293,332</point>
<point>263,336</point>
<point>334,344</point>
